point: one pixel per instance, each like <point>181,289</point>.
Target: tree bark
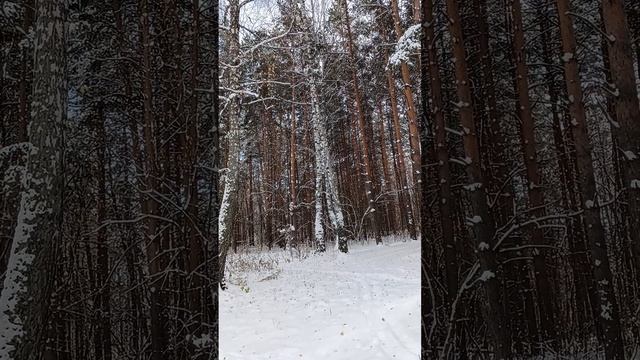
<point>370,182</point>
<point>608,317</point>
<point>482,219</point>
<point>405,205</point>
<point>150,205</point>
<point>535,189</point>
<point>627,108</point>
<point>414,136</point>
<point>229,197</point>
<point>30,315</point>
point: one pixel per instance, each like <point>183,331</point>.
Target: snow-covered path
<point>360,306</point>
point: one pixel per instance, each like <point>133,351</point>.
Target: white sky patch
<point>254,16</point>
<point>258,15</point>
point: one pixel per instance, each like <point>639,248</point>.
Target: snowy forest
<point>320,207</point>
<point>531,204</point>
<point>300,179</point>
<point>323,138</point>
<point>108,215</point>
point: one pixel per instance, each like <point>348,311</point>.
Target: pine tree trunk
<point>370,182</point>
<point>627,108</point>
<point>29,301</point>
<point>608,317</point>
<point>195,256</point>
<point>536,196</point>
<point>442,155</point>
<point>414,136</point>
<point>406,209</point>
<point>497,169</point>
<point>481,219</point>
<point>150,205</point>
<point>103,340</point>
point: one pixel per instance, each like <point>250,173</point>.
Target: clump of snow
<point>203,341</point>
<point>473,186</point>
<point>606,311</point>
<point>409,42</point>
<point>630,155</point>
<point>462,104</point>
<point>486,275</point>
<point>476,219</point>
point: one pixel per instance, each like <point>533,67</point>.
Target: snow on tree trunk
<point>318,139</point>
<point>326,182</point>
<point>370,182</point>
<point>227,208</point>
<point>28,294</point>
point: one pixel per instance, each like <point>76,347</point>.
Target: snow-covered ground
<point>360,306</point>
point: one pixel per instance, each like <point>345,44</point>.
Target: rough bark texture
<point>370,182</point>
<point>627,108</point>
<point>608,317</point>
<point>481,220</point>
<point>535,187</point>
<point>228,203</point>
<point>30,281</point>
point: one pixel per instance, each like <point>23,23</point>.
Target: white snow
<point>408,43</point>
<point>606,311</point>
<point>486,275</point>
<point>566,57</point>
<point>476,219</point>
<point>473,187</point>
<point>630,155</point>
<point>364,305</point>
<point>203,341</point>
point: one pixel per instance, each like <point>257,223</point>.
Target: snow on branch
<point>408,43</point>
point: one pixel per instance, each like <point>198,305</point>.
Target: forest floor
<point>363,305</point>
